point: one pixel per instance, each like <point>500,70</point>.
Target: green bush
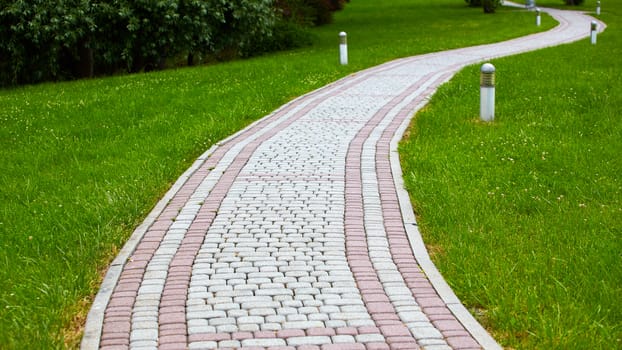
<point>240,23</point>
<point>309,12</point>
<point>287,35</point>
<point>137,34</point>
<point>490,5</point>
<point>474,3</point>
<point>43,39</point>
<point>59,39</point>
<point>573,2</point>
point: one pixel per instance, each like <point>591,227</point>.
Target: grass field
<point>83,162</point>
<point>524,215</point>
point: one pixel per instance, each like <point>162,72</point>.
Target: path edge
<point>418,247</point>
<point>93,327</point>
<point>445,292</point>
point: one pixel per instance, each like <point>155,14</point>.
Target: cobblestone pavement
<point>296,233</point>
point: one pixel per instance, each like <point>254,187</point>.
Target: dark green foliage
<point>43,39</point>
<point>139,34</point>
<point>573,2</point>
<point>309,12</point>
<point>323,14</point>
<point>240,23</point>
<point>293,17</point>
<point>489,6</point>
<point>58,39</point>
<point>287,34</point>
<point>474,3</point>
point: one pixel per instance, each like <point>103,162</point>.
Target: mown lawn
<point>524,215</point>
<point>83,162</point>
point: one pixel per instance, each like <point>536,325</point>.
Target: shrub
<point>58,39</point>
<point>43,39</point>
<point>323,13</point>
<point>474,3</point>
<point>573,2</point>
<point>287,35</point>
<point>240,23</point>
<point>61,39</point>
<point>140,34</point>
<point>137,33</point>
<point>309,12</point>
<point>490,5</point>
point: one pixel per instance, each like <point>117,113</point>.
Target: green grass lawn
<point>524,215</point>
<point>83,162</point>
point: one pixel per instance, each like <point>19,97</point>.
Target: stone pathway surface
<point>296,233</point>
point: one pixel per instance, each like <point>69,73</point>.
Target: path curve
<point>296,232</point>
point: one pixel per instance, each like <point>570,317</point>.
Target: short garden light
<point>538,18</point>
<point>598,8</point>
<point>594,27</point>
<point>487,93</point>
<point>343,48</point>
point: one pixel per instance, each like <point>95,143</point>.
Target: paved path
<point>296,232</point>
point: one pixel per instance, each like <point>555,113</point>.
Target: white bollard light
<point>598,8</point>
<point>594,27</point>
<point>538,18</point>
<point>343,48</point>
<point>487,93</point>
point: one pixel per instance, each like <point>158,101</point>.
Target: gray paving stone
<point>343,339</point>
<point>426,332</point>
<point>369,338</point>
<point>310,340</point>
<point>248,327</point>
<point>227,328</point>
<point>263,342</point>
<point>144,334</point>
<point>203,345</point>
<point>219,321</point>
<point>302,324</point>
<point>271,326</point>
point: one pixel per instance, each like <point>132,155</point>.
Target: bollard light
<point>343,48</point>
<point>594,30</point>
<point>598,8</point>
<point>538,18</point>
<point>487,93</point>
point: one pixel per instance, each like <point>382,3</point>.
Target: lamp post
<point>343,48</point>
<point>598,8</point>
<point>487,93</point>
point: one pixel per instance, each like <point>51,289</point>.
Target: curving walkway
<point>296,233</point>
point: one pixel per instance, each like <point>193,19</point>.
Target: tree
<point>490,5</point>
<point>239,23</point>
<point>62,39</point>
<point>44,40</point>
